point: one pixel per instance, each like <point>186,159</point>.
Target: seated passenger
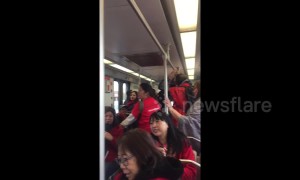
<point>172,142</point>
<point>139,159</point>
<point>122,114</point>
<point>112,132</point>
<point>133,98</point>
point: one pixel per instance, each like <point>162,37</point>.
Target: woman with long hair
<point>133,98</point>
<point>172,142</point>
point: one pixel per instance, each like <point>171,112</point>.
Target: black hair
<point>115,121</point>
<point>176,139</point>
<point>148,89</point>
<point>180,78</point>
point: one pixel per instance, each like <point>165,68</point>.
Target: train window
<point>124,92</point>
<point>116,96</point>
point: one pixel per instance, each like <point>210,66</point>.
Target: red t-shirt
<point>150,106</point>
<point>178,94</point>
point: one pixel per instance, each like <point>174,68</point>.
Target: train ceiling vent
<point>147,59</point>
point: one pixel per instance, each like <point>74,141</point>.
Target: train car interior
<point>144,41</point>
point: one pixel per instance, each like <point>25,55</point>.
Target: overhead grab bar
<point>166,54</point>
<point>144,21</point>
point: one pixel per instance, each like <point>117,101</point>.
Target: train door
<point>120,89</point>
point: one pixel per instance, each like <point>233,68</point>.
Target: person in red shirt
<point>182,95</point>
<point>172,142</point>
<point>147,95</point>
<point>190,124</point>
<point>139,159</point>
<point>112,132</point>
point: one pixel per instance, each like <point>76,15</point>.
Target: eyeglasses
<point>123,160</point>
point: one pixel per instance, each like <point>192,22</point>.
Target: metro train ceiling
<point>126,37</point>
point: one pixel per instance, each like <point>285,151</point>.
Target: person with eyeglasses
<point>170,141</point>
<point>139,159</point>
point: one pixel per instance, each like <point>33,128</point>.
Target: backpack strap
<point>141,108</point>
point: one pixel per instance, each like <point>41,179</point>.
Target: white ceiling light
<point>126,70</point>
<point>190,63</point>
<point>121,68</point>
<point>187,14</point>
<point>191,77</point>
<point>144,77</point>
<point>188,40</point>
<point>191,72</point>
<point>107,61</point>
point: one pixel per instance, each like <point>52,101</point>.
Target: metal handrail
<point>190,161</point>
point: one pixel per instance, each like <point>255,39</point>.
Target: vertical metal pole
<point>101,92</point>
<point>166,59</point>
<point>139,76</point>
<point>166,82</point>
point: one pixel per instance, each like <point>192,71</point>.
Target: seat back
<point>198,152</point>
<point>198,165</point>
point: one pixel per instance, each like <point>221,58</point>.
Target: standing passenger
<point>190,124</point>
<point>150,104</point>
<point>182,95</point>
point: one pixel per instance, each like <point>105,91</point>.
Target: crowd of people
<point>143,142</point>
